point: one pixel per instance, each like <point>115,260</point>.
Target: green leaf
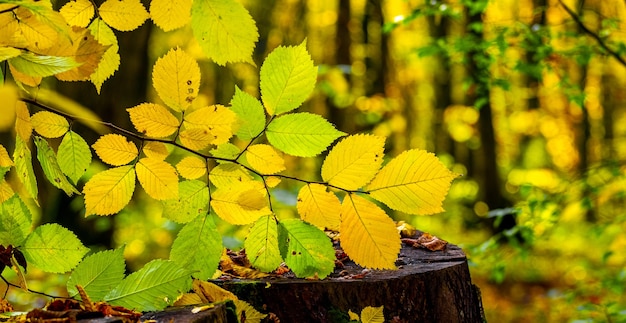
<point>302,134</point>
<point>250,113</point>
<point>42,66</point>
<point>198,247</point>
<point>152,288</point>
<point>24,166</point>
<point>53,248</point>
<point>227,150</point>
<point>287,78</point>
<point>225,30</point>
<point>15,221</point>
<point>193,200</point>
<point>74,156</point>
<point>98,273</point>
<point>262,244</point>
<point>50,166</point>
<point>306,249</point>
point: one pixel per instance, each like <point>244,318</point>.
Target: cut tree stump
<point>428,286</point>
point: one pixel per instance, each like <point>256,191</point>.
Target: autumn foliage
<point>229,156</point>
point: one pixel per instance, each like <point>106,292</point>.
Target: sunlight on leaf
<point>192,201</point>
<point>354,161</point>
<point>23,125</point>
<point>98,273</point>
<point>262,244</point>
<point>158,178</point>
<point>367,234</point>
<point>15,221</point>
<point>231,204</point>
<point>53,248</point>
<point>74,156</point>
<point>156,150</point>
<point>319,207</point>
<point>24,166</point>
<point>217,120</point>
<point>78,12</point>
<point>227,174</point>
<point>265,159</point>
<point>306,249</point>
<point>123,15</point>
<point>49,125</point>
<point>109,191</point>
<point>170,14</point>
<point>115,149</point>
<point>198,247</point>
<point>250,114</point>
<point>225,30</point>
<point>176,78</point>
<point>415,182</point>
<point>153,120</point>
<point>302,134</point>
<point>110,61</point>
<point>191,167</point>
<point>51,169</point>
<point>42,66</point>
<point>287,78</point>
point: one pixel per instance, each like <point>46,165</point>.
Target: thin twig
<point>593,35</point>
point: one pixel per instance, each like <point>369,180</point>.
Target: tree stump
<point>428,286</point>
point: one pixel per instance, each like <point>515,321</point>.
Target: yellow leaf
<point>123,15</point>
<point>415,182</point>
<point>115,149</point>
<point>23,127</point>
<point>36,33</point>
<point>234,206</point>
<point>156,150</point>
<point>8,100</point>
<point>8,32</point>
<point>216,119</point>
<point>211,293</point>
<point>191,167</point>
<point>265,159</point>
<point>20,77</point>
<point>367,234</point>
<point>5,159</point>
<point>170,14</point>
<point>158,178</point>
<point>354,161</point>
<point>188,299</point>
<point>227,174</point>
<point>353,316</point>
<point>153,120</point>
<point>372,315</point>
<point>319,207</point>
<point>5,191</point>
<point>244,309</point>
<point>109,191</point>
<point>49,125</point>
<point>196,139</point>
<point>110,61</point>
<point>176,78</point>
<point>272,181</point>
<point>84,48</point>
<point>78,12</point>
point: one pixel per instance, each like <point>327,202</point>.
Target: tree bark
<point>427,287</point>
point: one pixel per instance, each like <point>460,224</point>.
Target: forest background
<point>523,98</point>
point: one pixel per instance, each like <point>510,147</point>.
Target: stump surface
<point>428,286</point>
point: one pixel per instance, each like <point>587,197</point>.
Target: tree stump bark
<point>428,286</point>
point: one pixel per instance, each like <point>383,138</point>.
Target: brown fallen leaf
<point>427,241</point>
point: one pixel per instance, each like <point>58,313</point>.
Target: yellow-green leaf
<point>191,167</point>
<point>78,12</point>
<point>262,244</point>
<point>24,167</point>
<point>158,178</point>
<point>367,234</point>
<point>319,207</point>
<point>225,30</point>
<point>153,120</point>
<point>265,159</point>
<point>241,203</point>
<point>5,161</point>
<point>216,120</point>
<point>170,14</point>
<point>23,125</point>
<point>227,174</point>
<point>8,52</point>
<point>115,149</point>
<point>50,166</point>
<point>42,65</point>
<point>372,314</point>
<point>414,182</point>
<point>49,125</point>
<point>109,191</point>
<point>155,149</point>
<point>176,78</point>
<point>110,61</point>
<point>192,201</point>
<point>74,156</point>
<point>123,15</point>
<point>6,192</point>
<point>354,161</point>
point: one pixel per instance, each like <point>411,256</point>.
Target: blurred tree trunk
<point>485,167</point>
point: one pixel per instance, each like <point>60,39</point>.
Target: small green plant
<point>198,161</point>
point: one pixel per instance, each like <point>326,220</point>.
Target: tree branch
<point>593,35</point>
